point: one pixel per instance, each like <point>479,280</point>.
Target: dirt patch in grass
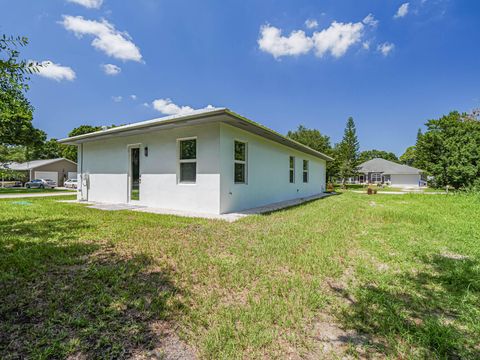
<point>453,256</point>
<point>169,346</point>
<point>333,341</point>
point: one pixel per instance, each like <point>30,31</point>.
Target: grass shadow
<point>426,314</point>
<point>62,296</point>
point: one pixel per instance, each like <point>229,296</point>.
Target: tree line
<point>346,154</point>
<point>448,150</point>
<point>20,141</point>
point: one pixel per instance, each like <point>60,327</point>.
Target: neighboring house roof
<point>7,165</point>
<point>30,165</point>
<point>203,116</point>
<point>387,167</point>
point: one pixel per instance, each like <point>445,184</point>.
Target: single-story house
<point>58,170</point>
<point>381,171</point>
<point>210,161</point>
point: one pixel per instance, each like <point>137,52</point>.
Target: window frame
<point>244,162</point>
<point>183,161</point>
<point>376,177</point>
<point>306,172</point>
<point>291,169</point>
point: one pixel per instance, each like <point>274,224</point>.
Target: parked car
<point>10,184</point>
<point>71,184</point>
<point>41,184</point>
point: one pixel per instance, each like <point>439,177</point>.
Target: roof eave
<point>298,145</point>
<point>75,140</point>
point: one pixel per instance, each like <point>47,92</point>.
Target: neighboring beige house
<point>381,171</point>
<point>58,170</point>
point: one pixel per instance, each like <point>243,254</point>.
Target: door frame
<point>129,174</point>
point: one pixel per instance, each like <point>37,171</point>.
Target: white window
<point>376,178</point>
<point>292,169</point>
<point>305,171</point>
<point>240,162</point>
<point>188,161</point>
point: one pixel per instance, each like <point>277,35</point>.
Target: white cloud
<point>106,38</point>
<point>117,98</point>
<point>385,48</point>
<point>272,41</point>
<point>370,20</point>
<point>146,104</point>
<point>402,10</point>
<point>57,72</point>
<point>311,23</point>
<point>111,69</point>
<point>167,107</point>
<point>334,40</point>
<point>337,38</point>
<point>91,4</point>
<point>133,97</point>
<point>366,45</point>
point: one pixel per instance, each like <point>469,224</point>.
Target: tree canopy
<point>372,154</point>
<point>409,157</point>
<point>16,112</point>
<point>450,150</point>
<point>84,129</point>
<point>70,151</point>
<point>313,138</point>
<point>44,149</point>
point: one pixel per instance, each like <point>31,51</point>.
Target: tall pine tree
<point>347,152</point>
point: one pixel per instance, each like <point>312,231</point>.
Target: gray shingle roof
<point>386,167</point>
<point>31,164</point>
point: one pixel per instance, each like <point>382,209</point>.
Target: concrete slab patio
<point>231,217</point>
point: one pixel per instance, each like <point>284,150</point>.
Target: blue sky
<point>281,63</point>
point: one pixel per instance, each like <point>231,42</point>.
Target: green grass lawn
<point>401,272</point>
<point>28,191</point>
<point>359,187</point>
<point>423,189</point>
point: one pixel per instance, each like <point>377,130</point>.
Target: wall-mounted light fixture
<point>145,151</point>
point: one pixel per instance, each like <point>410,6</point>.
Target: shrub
<point>330,187</point>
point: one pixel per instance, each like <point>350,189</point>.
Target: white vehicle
<point>71,184</point>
